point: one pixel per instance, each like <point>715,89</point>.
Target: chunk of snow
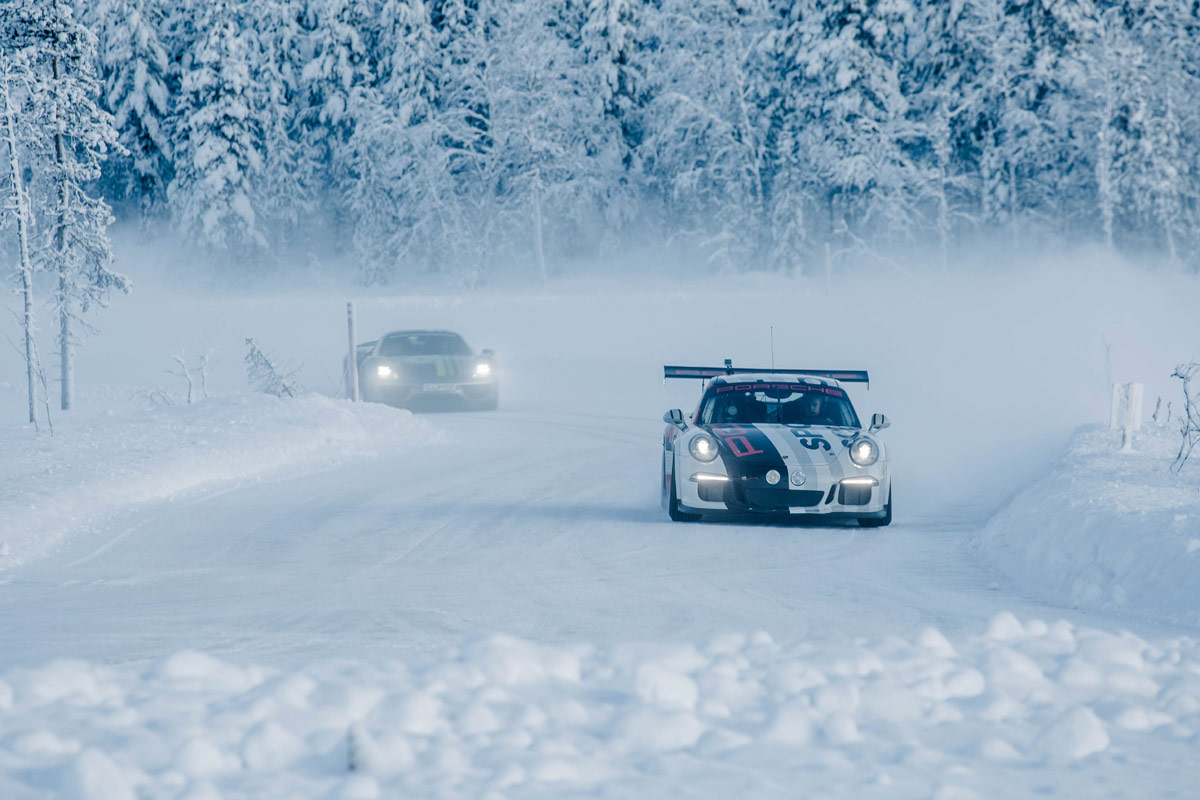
<point>1005,626</point>
<point>1077,734</point>
<point>658,685</point>
<point>94,776</point>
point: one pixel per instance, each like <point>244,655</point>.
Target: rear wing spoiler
<point>843,375</point>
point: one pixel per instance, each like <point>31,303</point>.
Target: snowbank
<point>1023,709</point>
<point>1107,530</point>
<point>52,486</point>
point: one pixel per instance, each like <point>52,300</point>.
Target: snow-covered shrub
<point>265,376</point>
<point>1189,426</point>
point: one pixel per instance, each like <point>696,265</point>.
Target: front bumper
<point>404,394</point>
<point>836,497</point>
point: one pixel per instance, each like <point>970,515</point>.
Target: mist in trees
<point>477,137</point>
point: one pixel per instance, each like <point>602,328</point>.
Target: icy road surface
<point>543,526</point>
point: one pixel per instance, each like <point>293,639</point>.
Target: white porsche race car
<point>774,442</point>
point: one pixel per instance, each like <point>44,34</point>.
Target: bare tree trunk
<point>1012,203</point>
<point>1104,190</point>
<point>539,249</point>
<point>1170,202</point>
<point>1105,147</point>
<point>66,357</point>
<point>942,152</point>
<point>26,268</point>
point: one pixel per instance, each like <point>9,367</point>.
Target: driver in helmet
<point>813,408</point>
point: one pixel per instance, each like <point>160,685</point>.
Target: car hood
<point>424,359</point>
<point>767,443</point>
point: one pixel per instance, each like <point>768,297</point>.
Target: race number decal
<point>813,442</point>
<point>736,439</point>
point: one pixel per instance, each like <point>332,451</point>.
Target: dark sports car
<point>427,368</point>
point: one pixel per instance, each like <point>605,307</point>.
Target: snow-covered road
<point>541,525</point>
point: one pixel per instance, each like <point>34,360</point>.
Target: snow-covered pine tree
<point>135,67</point>
<point>1042,48</point>
<point>709,133</point>
<point>397,183</point>
<point>81,135</point>
<point>789,102</point>
<point>1120,88</point>
<point>1164,173</point>
<point>474,167</point>
<point>338,52</point>
<point>616,38</point>
<point>945,78</point>
<point>220,139</point>
<point>556,151</point>
<point>287,193</point>
<point>845,106</point>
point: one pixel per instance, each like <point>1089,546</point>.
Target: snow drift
<point>98,468</point>
<point>1021,709</point>
<point>1107,530</point>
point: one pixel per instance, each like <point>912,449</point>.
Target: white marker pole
<point>352,372</point>
<point>1132,417</point>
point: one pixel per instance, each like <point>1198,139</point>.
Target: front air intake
<point>854,495</point>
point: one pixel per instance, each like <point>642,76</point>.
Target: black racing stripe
<point>744,449</point>
<point>748,454</point>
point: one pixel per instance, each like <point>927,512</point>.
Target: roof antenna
<point>772,348</point>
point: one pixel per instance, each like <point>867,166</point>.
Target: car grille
<point>449,371</point>
<point>783,498</point>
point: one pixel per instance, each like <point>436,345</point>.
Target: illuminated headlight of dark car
<point>703,448</point>
<point>864,452</point>
<point>384,372</point>
<point>483,370</point>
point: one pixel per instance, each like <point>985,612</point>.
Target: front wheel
<point>880,522</point>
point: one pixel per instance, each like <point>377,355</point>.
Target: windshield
<point>780,403</point>
<point>424,344</point>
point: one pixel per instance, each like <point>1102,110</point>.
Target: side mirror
<point>487,351</point>
<point>879,422</point>
<point>675,417</point>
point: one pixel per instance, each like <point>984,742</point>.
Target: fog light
<point>773,476</point>
<point>798,477</point>
<point>860,482</point>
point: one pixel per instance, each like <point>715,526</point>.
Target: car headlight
<point>384,371</point>
<point>483,370</point>
<point>703,448</point>
<point>864,452</point>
